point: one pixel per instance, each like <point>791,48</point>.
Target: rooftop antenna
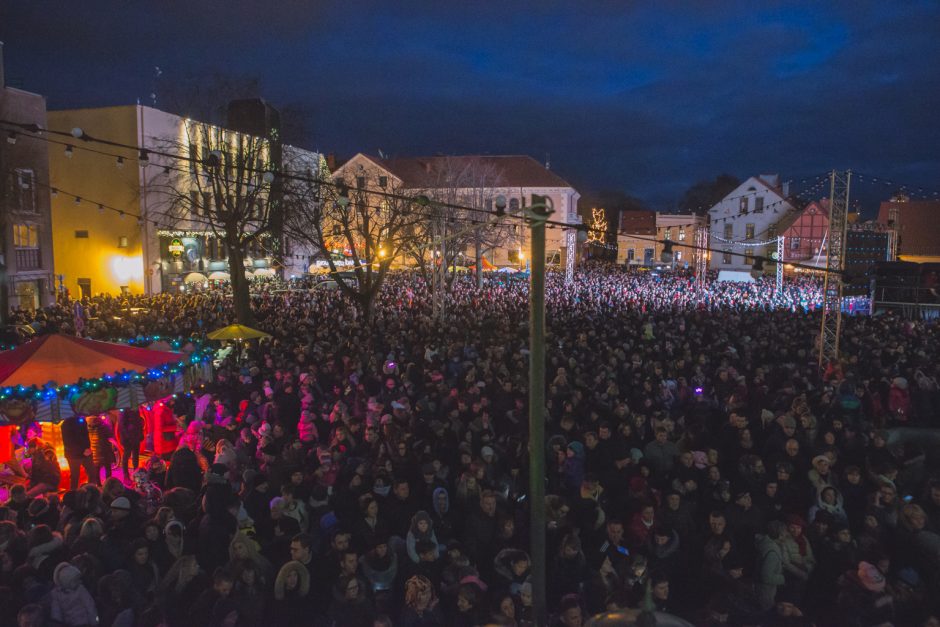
<point>381,154</point>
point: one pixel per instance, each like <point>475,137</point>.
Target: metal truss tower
<point>571,253</point>
<point>779,287</point>
<point>894,233</point>
<point>831,326</point>
<point>701,259</point>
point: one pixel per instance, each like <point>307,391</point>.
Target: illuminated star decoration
<point>598,231</point>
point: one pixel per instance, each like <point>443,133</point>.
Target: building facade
<point>111,231</point>
<point>516,177</point>
<point>26,252</point>
<point>743,224</point>
<point>916,226</point>
<point>679,228</point>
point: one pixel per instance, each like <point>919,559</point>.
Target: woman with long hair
<point>180,588</point>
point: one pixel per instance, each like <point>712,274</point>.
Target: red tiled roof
<point>920,226</point>
<point>514,170</point>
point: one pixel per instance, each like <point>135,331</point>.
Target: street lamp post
<point>538,214</point>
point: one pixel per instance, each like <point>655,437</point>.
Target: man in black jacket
<point>78,450</point>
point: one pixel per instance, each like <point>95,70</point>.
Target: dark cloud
<point>646,98</point>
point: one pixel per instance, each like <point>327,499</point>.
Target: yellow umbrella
<point>236,332</point>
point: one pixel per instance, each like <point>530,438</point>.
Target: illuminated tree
<point>221,184</point>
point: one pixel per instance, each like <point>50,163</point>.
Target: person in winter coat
<point>829,499</point>
<point>380,567</point>
<point>130,433</point>
<point>798,559</point>
<point>442,518</point>
<point>78,450</point>
<point>184,471</point>
<point>512,569</point>
<point>292,603</point>
<point>307,428</point>
<point>421,529</point>
<point>102,439</point>
<point>864,598</point>
<point>70,602</point>
<point>769,571</point>
<point>351,606</point>
<point>422,608</point>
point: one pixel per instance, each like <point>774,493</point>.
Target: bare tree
<point>460,190</point>
<point>220,184</point>
<point>370,223</point>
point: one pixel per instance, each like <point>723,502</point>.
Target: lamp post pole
<point>538,214</point>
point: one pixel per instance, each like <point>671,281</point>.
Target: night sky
<point>646,100</point>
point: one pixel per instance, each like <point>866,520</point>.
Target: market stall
<point>56,376</point>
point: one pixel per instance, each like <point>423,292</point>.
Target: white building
<point>745,222</point>
<point>517,177</point>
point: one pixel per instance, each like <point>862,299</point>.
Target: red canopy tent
<point>65,359</point>
<point>58,360</point>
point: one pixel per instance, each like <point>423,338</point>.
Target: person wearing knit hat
<point>870,577</point>
<point>70,602</point>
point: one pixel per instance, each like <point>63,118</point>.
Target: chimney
<point>331,162</point>
<point>2,84</point>
<point>771,179</point>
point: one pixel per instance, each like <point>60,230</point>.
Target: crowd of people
<point>372,470</point>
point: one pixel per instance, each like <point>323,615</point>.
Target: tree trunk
<point>478,256</point>
<point>241,295</point>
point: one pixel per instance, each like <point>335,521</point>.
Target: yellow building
<point>97,249</point>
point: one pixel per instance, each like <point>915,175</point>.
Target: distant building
<point>745,222</point>
<point>26,262</point>
<point>918,226</point>
<point>636,237</point>
<point>101,251</point>
<point>679,228</point>
<point>517,177</point>
<point>806,234</point>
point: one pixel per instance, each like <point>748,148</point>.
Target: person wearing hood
<point>380,567</point>
<point>573,467</point>
<point>70,602</point>
<point>769,575</point>
<point>292,602</point>
<point>512,568</point>
<point>442,519</point>
<point>798,559</point>
<point>421,529</point>
<point>569,570</point>
<point>664,545</point>
<point>829,499</point>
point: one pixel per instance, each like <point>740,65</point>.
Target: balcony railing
<point>28,259</point>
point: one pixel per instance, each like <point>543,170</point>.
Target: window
<point>23,192</point>
<point>360,182</point>
<point>742,207</point>
<point>748,257</point>
<point>726,257</point>
<point>772,231</point>
<point>81,234</point>
<point>668,233</point>
<point>681,233</point>
<point>514,204</point>
<point>194,202</point>
<point>729,231</point>
<point>794,243</point>
<point>631,254</point>
<point>678,255</point>
<point>84,287</point>
<point>748,231</point>
<point>759,204</point>
<point>122,241</point>
<point>25,236</point>
<point>383,182</point>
